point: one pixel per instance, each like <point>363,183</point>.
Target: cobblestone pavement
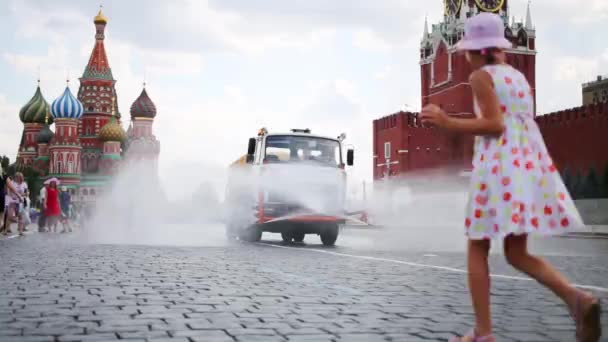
<point>57,288</point>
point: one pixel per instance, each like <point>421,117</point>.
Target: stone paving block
<point>27,339</point>
<point>88,338</point>
<point>524,337</point>
<point>362,337</point>
<point>212,339</point>
<point>142,334</point>
<point>260,338</point>
<point>311,338</point>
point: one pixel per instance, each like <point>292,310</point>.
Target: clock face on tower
<point>489,5</point>
<point>452,7</point>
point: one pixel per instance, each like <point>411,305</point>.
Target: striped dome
<point>143,107</point>
<point>67,106</point>
<point>35,110</point>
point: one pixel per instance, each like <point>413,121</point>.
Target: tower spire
<point>529,25</point>
<point>426,27</point>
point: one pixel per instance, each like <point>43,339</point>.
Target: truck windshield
<point>293,148</point>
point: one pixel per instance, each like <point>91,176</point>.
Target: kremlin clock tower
<point>444,72</point>
<point>400,143</point>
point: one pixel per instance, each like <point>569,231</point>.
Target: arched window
<point>92,192</point>
<point>85,192</point>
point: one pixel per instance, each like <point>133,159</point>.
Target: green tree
<point>576,185</point>
<point>567,179</point>
<point>591,186</point>
<point>4,164</point>
<point>33,180</point>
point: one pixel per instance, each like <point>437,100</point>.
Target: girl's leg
<point>516,252</point>
<point>479,285</point>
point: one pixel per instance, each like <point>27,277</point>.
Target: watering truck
<point>289,183</point>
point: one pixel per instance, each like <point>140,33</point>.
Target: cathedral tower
<point>65,147</point>
<point>33,117</point>
<point>45,136</point>
<point>142,143</point>
<point>96,93</point>
<point>112,135</point>
<point>444,72</point>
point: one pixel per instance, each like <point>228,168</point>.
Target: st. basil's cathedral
<point>88,144</point>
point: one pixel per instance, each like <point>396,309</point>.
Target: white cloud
<point>367,39</point>
<point>10,128</point>
<point>384,73</point>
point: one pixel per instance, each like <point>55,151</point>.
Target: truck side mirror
<point>350,157</point>
<point>251,150</point>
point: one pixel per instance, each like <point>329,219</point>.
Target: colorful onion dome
<point>67,106</point>
<point>45,135</point>
<point>35,110</point>
<point>112,131</point>
<point>143,107</point>
<point>100,18</point>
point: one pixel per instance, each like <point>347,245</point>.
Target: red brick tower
<point>401,144</point>
<point>444,72</point>
<point>96,93</point>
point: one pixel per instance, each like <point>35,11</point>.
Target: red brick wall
<point>577,138</point>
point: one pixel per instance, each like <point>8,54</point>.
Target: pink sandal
<point>474,338</point>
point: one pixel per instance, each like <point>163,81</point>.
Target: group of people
<point>55,206</point>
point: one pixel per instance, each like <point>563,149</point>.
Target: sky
<point>218,70</point>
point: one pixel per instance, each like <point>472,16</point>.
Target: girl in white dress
<point>515,187</point>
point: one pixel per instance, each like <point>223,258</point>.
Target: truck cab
<point>289,183</point>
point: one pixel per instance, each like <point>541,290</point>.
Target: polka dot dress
<point>515,187</point>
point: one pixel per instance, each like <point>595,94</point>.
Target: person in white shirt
<point>42,218</point>
<point>20,193</point>
<point>7,212</point>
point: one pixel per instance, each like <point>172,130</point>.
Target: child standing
<point>515,187</point>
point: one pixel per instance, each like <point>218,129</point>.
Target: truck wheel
<point>286,237</point>
<point>251,234</point>
<point>329,234</point>
<point>298,237</point>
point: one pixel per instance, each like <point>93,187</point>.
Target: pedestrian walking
<point>515,187</point>
<point>19,196</point>
<point>8,213</point>
<point>52,208</point>
<point>65,201</point>
<point>42,201</point>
